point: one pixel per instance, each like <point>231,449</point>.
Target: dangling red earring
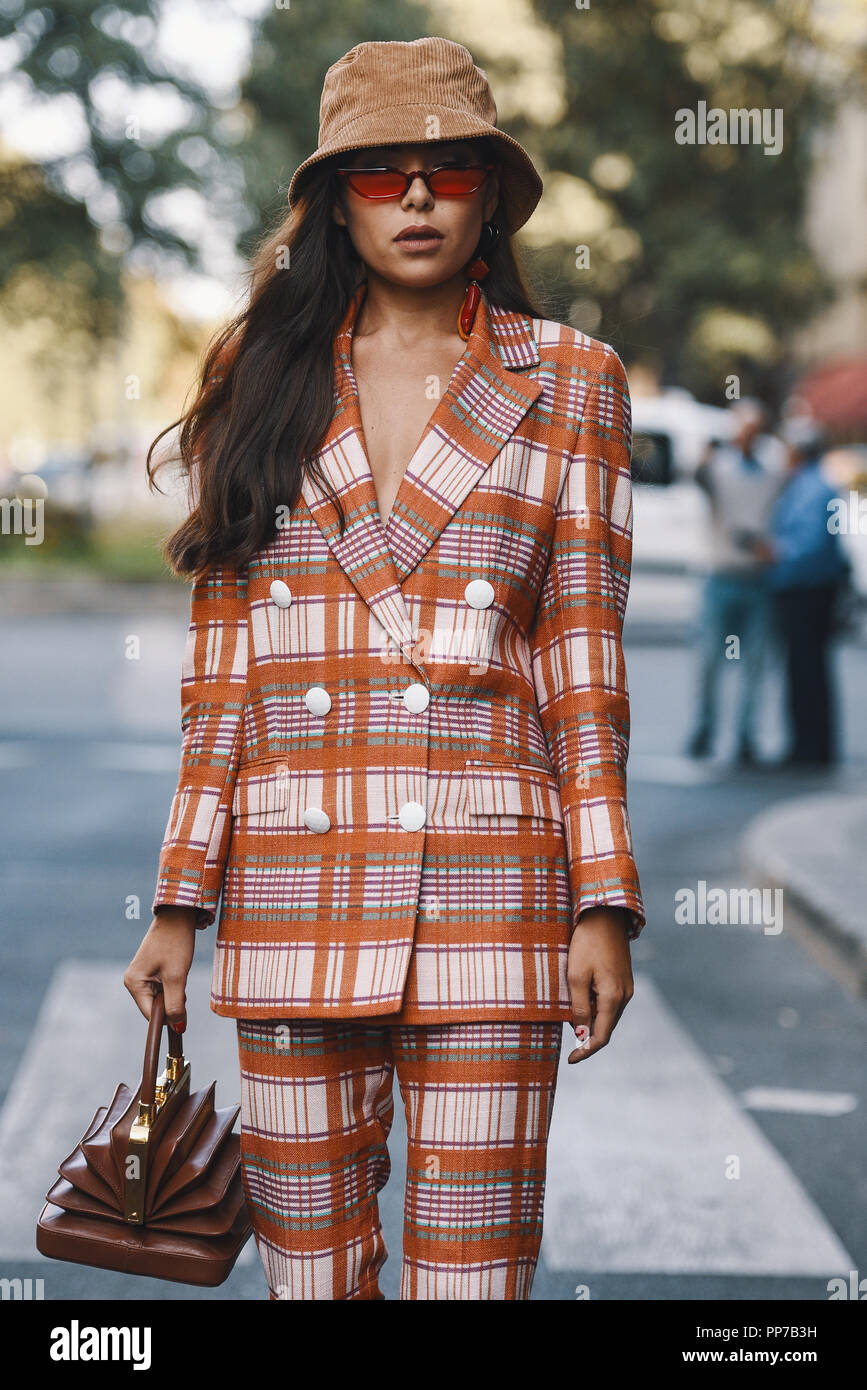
<point>476,270</point>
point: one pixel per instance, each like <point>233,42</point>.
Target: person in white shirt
<point>742,481</point>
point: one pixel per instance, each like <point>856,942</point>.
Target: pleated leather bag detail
<point>154,1185</point>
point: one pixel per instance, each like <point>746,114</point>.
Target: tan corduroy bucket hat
<point>407,93</point>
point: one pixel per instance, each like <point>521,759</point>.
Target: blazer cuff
<point>616,887</point>
<point>183,886</point>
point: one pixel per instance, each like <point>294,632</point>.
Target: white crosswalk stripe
<point>642,1138</point>
<point>792,1102</point>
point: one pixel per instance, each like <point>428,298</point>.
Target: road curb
<point>815,848</point>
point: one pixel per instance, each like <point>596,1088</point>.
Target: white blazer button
<point>281,593</point>
<point>479,593</point>
<point>317,700</point>
<point>412,815</point>
<point>416,697</point>
<point>317,819</point>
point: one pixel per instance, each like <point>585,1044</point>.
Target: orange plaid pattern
<point>404,748</point>
<point>316,1111</point>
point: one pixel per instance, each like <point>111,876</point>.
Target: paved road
<point>712,1151</point>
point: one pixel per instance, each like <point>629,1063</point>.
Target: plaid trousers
<point>316,1111</point>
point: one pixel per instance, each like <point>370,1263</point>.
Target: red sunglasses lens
<point>377,183</point>
<point>389,183</point>
<point>453,183</point>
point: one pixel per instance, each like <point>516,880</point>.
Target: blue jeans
<point>732,605</point>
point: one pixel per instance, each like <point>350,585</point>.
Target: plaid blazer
<point>404,748</point>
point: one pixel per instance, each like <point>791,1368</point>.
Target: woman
<point>405,711</point>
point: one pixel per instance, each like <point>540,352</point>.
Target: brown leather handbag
<point>154,1185</point>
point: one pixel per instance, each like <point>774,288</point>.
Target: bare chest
<point>397,397</point>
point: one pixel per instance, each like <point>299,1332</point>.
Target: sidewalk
<point>815,848</point>
<point>78,592</point>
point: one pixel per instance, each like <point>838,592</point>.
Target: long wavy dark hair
<point>265,395</point>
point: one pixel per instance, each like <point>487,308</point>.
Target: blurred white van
<point>670,434</point>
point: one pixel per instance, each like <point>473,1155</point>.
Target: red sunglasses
<point>446,181</point>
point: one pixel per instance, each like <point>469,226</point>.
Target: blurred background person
<point>806,572</point>
<point>741,480</point>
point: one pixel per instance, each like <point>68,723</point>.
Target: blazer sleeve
<point>577,658</point>
<point>213,694</point>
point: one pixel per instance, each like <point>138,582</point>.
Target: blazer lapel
<point>481,408</point>
<point>478,413</point>
<point>362,550</point>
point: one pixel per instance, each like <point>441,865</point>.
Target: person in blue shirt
<point>806,567</point>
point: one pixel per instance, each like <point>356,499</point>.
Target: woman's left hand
<point>599,972</point>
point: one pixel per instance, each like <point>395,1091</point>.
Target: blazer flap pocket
<point>511,789</point>
<point>261,787</point>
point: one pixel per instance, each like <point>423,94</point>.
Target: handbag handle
<point>152,1097</point>
<point>152,1049</point>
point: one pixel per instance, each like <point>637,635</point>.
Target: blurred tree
<point>49,240</point>
<point>93,202</point>
<point>698,264</point>
<point>280,95</point>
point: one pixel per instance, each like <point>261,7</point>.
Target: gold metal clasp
<point>167,1080</point>
<point>141,1130</point>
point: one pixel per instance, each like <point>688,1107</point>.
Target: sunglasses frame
<point>346,174</point>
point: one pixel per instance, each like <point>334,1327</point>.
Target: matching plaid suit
<point>404,766</point>
<point>404,748</point>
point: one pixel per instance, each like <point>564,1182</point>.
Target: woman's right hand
<point>165,955</point>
